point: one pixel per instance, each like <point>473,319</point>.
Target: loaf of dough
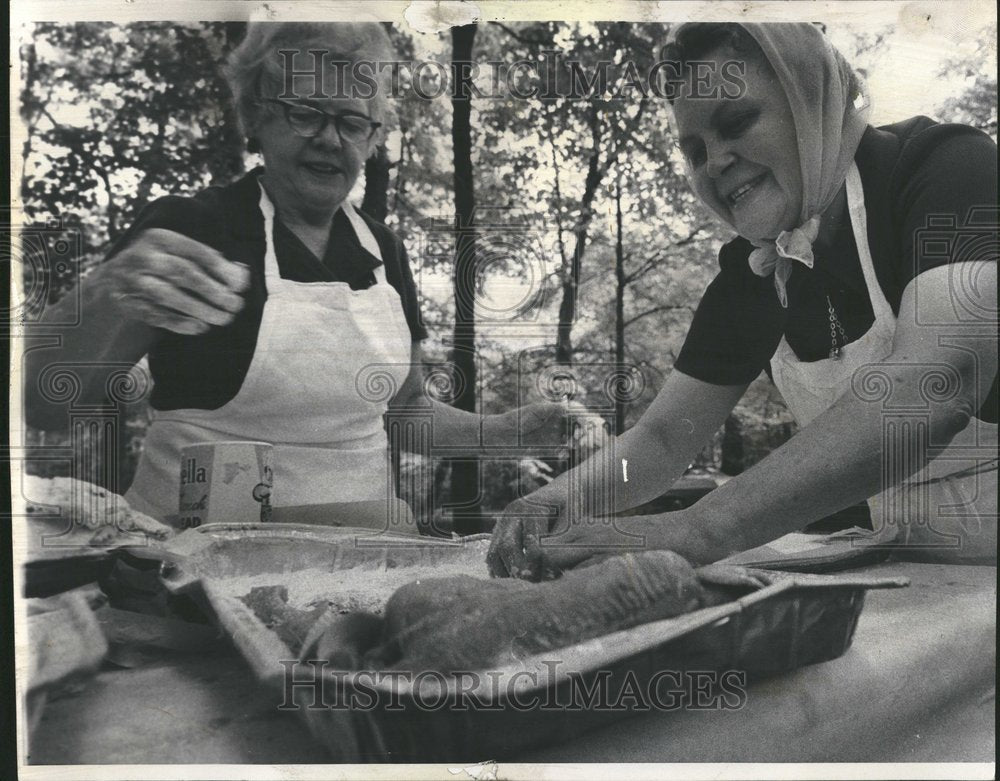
<point>464,623</point>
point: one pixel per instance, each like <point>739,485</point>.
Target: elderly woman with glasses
<point>271,309</point>
<point>862,279</point>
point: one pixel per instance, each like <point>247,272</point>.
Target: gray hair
<point>256,61</point>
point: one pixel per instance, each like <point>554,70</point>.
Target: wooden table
<point>917,685</point>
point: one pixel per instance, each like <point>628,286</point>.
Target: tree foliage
<point>117,116</point>
<point>976,105</point>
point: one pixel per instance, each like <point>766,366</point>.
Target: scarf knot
<point>775,257</point>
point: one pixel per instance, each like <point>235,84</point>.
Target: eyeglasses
<point>309,122</point>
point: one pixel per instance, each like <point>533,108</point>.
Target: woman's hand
<point>531,545</point>
<point>167,280</point>
<point>516,533</point>
<point>564,424</point>
<point>522,547</point>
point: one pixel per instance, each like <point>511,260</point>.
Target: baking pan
<point>794,620</point>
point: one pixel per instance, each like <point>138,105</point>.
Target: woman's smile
<point>322,169</point>
<point>738,197</point>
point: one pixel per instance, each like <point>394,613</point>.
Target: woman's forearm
<point>633,469</point>
<point>449,431</point>
<point>646,460</point>
<point>848,454</point>
<point>457,431</point>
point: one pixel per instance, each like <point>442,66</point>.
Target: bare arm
<point>463,433</point>
<point>638,466</point>
<point>841,457</point>
<point>652,455</point>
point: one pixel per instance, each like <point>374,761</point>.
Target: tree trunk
<point>376,201</point>
<point>226,163</point>
<point>557,192</point>
<point>112,212</point>
<point>399,191</point>
<point>733,456</point>
<point>571,275</point>
<point>465,473</point>
<point>620,283</point>
<point>29,104</point>
<point>155,160</point>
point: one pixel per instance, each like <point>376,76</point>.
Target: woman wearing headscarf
<point>863,280</point>
<point>271,309</point>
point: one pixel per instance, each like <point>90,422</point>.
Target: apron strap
<point>271,271</point>
<point>859,225</point>
<point>859,222</point>
<point>366,238</point>
<point>361,230</point>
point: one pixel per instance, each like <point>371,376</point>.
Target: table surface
<point>917,685</point>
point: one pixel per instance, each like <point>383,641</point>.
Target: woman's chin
<point>754,232</point>
<point>324,198</point>
<point>756,227</point>
<point>763,215</point>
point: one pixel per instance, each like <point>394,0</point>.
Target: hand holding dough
<point>89,506</point>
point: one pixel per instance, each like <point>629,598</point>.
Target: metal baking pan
<point>795,620</point>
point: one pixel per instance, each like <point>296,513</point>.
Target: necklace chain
<point>836,329</point>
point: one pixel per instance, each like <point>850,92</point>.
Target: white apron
<point>948,510</point>
<point>303,393</point>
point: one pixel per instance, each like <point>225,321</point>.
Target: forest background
<point>555,243</point>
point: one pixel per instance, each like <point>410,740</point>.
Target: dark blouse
<point>919,178</point>
<point>206,371</point>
